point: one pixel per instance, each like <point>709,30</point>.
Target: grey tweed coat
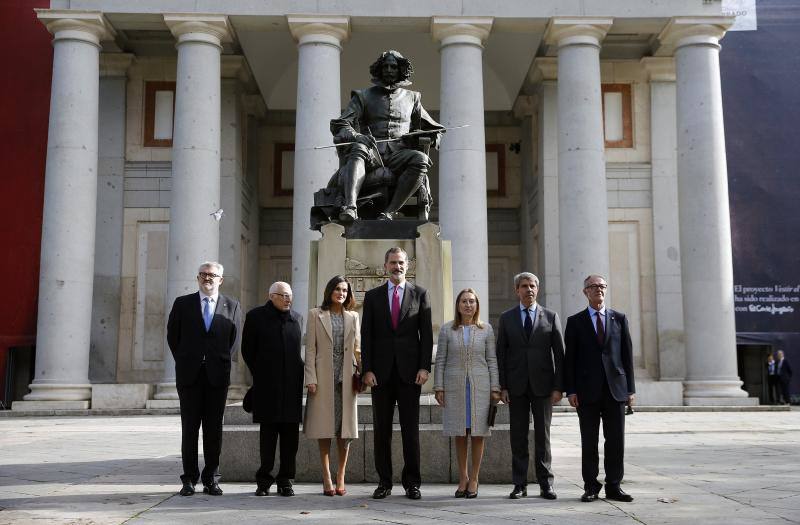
<point>454,362</point>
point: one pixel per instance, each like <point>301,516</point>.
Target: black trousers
<point>384,397</point>
<point>773,388</point>
<point>612,414</point>
<point>785,391</point>
<point>289,434</point>
<point>201,405</point>
<point>519,410</point>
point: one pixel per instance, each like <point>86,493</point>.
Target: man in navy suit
<point>202,332</point>
<point>396,352</point>
<point>598,377</point>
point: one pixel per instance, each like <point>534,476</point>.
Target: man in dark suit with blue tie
<point>530,354</point>
<point>202,332</point>
<point>396,352</point>
<point>598,376</point>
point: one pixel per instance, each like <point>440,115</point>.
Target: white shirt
<point>593,313</point>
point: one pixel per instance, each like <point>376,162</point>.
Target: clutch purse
<point>358,385</point>
<point>492,414</point>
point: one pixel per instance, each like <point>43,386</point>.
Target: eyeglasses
<point>205,275</point>
<point>286,296</point>
<point>597,287</point>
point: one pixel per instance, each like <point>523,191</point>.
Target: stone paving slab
<point>683,467</point>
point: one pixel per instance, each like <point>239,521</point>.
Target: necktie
<point>207,313</point>
<point>528,323</point>
<point>395,309</point>
<point>601,333</point>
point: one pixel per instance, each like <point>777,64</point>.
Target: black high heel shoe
<point>471,495</point>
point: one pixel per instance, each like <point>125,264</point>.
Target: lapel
<point>325,319</point>
<point>586,319</point>
<point>383,304</point>
<point>197,311</point>
<point>405,306</point>
<point>348,324</point>
<point>537,319</point>
<point>517,322</point>
<point>609,323</point>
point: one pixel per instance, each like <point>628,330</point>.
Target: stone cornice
<point>66,24</point>
<point>461,30</point>
<point>659,69</point>
<point>209,29</point>
<point>693,30</point>
<point>576,30</point>
<point>317,29</point>
<point>115,64</point>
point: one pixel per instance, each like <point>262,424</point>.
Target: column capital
<point>577,30</point>
<point>202,28</point>
<point>693,31</point>
<point>115,64</point>
<point>659,69</point>
<point>318,29</point>
<point>66,24</point>
<point>236,67</point>
<point>524,106</point>
<point>461,30</point>
<point>544,69</point>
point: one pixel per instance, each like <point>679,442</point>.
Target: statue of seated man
<point>384,111</point>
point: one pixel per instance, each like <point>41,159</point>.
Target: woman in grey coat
<point>466,383</point>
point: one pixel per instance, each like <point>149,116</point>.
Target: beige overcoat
<point>318,422</point>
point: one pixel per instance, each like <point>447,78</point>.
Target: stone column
<point>666,239</point>
<point>68,226</point>
<point>462,155</point>
<point>705,232</point>
<point>319,44</point>
<point>582,200</point>
<point>193,232</point>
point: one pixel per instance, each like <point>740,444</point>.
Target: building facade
<point>595,145</point>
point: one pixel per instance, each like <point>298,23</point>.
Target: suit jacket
<point>785,373</point>
<point>410,347</point>
<point>190,343</point>
<point>589,365</point>
<point>271,342</point>
<point>537,361</point>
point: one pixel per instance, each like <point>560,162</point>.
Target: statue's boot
<point>408,184</point>
<point>354,175</point>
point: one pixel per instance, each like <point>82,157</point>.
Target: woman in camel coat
<point>333,351</point>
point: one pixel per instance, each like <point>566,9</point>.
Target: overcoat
<point>318,422</point>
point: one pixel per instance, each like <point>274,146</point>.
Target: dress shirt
<point>213,300</point>
<point>532,308</point>
<point>401,288</point>
<point>593,313</point>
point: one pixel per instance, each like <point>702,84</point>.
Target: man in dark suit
<point>202,332</point>
<point>598,376</point>
<point>530,355</point>
<point>784,376</point>
<point>396,350</point>
<point>271,342</point>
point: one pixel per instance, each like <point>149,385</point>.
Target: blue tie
<point>208,315</point>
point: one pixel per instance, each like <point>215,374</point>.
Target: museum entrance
<point>751,361</point>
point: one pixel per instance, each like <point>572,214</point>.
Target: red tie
<point>395,309</point>
<point>601,333</point>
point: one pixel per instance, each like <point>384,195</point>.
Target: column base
<point>166,396</point>
<point>49,405</point>
<point>59,392</point>
<point>236,392</point>
<point>716,393</point>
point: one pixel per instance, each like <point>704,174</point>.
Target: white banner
<point>745,13</point>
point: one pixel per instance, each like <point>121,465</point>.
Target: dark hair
<point>395,249</point>
<point>403,64</point>
<point>476,317</point>
<point>349,302</point>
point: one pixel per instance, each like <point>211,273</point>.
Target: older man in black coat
<point>271,342</point>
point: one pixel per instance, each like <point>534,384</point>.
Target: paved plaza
<point>682,467</point>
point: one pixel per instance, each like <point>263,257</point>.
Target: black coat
<point>785,373</point>
<point>190,343</point>
<point>410,347</point>
<point>588,365</point>
<point>537,361</point>
<point>271,342</point>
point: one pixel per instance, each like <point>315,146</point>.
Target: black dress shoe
<point>381,492</point>
<point>212,489</point>
<point>618,495</point>
<point>262,491</point>
<point>589,496</point>
<point>187,489</point>
<point>520,491</point>
<point>286,490</point>
<point>413,492</point>
<point>547,492</point>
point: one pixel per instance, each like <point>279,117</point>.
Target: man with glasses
<point>598,377</point>
<point>271,342</point>
<point>202,333</point>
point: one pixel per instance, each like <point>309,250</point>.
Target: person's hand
<point>573,400</point>
<point>422,377</point>
<point>631,398</point>
<point>439,395</point>
<point>555,397</point>
<point>312,388</point>
<point>504,396</point>
<point>367,140</point>
<point>369,379</point>
<point>495,397</point>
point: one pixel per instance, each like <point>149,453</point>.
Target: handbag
<point>492,414</point>
<point>358,384</point>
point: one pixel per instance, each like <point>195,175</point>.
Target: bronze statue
<point>383,138</point>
